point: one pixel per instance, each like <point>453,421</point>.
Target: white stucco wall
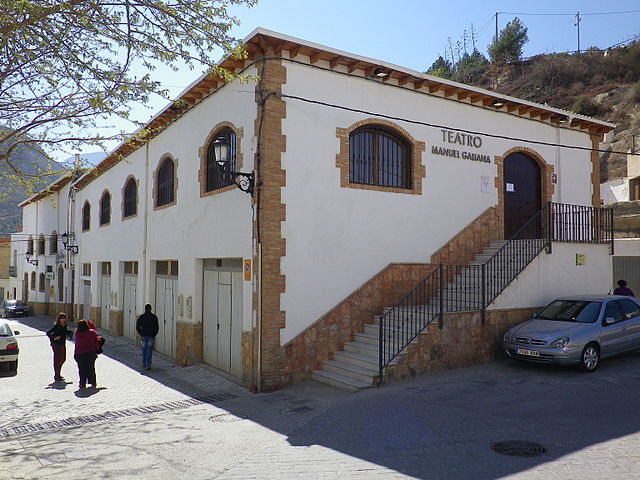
<point>627,247</point>
<point>553,275</point>
<point>337,238</point>
<point>195,228</point>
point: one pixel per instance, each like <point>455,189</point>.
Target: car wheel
<point>590,358</point>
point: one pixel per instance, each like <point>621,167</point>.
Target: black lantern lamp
<point>29,258</point>
<point>244,181</point>
<point>65,243</point>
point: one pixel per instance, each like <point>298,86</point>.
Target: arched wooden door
<point>522,191</point>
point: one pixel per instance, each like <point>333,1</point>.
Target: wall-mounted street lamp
<point>29,258</point>
<point>244,181</point>
<point>65,243</point>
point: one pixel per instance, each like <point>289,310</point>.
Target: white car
<point>9,347</point>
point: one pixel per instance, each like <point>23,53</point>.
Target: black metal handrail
<point>451,288</point>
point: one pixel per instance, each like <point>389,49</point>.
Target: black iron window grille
<point>379,156</point>
<point>86,216</point>
<point>130,198</point>
<point>166,183</point>
<point>105,208</point>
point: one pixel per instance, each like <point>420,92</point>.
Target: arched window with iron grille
<point>379,156</point>
<point>165,183</point>
<point>214,172</point>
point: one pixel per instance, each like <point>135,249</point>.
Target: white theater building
<point>367,176</point>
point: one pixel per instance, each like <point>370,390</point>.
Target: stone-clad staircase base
<point>356,367</point>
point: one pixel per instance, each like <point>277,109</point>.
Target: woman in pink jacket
<point>87,345</point>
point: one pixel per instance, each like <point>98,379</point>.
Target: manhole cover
<point>518,448</point>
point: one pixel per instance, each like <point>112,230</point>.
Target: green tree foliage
<point>66,64</point>
<point>508,46</point>
<point>441,68</point>
<point>470,67</point>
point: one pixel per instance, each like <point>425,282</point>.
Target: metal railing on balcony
<point>452,288</point>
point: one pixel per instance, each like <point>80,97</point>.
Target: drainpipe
<point>145,225</point>
<point>259,318</point>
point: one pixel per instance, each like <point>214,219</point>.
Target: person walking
<point>86,352</point>
<point>623,289</point>
<point>147,327</point>
<point>58,335</point>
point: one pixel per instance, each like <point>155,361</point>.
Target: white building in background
<point>367,175</point>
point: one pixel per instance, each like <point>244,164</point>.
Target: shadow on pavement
<point>442,426</point>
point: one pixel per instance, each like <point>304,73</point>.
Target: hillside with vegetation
<point>604,84</point>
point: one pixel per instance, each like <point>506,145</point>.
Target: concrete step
<point>361,374</point>
<point>338,381</point>
<point>362,349</point>
<point>365,361</point>
<point>367,337</point>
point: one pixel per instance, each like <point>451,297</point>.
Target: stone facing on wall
<point>317,343</point>
<point>463,247</point>
<point>188,343</point>
<point>462,342</point>
<point>272,212</point>
<point>116,322</point>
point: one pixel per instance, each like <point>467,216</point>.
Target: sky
<point>413,33</point>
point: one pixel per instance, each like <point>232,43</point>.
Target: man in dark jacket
<point>147,328</point>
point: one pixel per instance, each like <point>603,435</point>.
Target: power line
<point>445,127</point>
<point>568,14</point>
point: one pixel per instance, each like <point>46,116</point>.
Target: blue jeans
<point>147,350</point>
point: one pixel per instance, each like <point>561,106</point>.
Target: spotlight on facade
<point>379,73</point>
<point>244,181</point>
<point>497,103</point>
<point>564,119</point>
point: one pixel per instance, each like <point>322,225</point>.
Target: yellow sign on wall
<point>247,270</point>
<point>581,259</point>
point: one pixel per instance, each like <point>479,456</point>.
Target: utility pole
<point>577,24</point>
<point>496,37</point>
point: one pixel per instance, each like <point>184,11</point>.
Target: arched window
<point>105,208</point>
<point>165,183</point>
<point>53,243</point>
<point>379,156</point>
<point>33,280</point>
<point>215,177</point>
<point>86,216</point>
<point>130,199</point>
<point>41,282</point>
<point>41,245</point>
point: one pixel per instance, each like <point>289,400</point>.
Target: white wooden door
<point>105,300</point>
<point>222,320</point>
<point>166,306</point>
<point>129,301</point>
<point>86,299</point>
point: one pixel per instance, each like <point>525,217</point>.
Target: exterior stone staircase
<point>356,367</point>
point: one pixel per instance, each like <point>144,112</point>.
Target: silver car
<point>577,330</point>
<point>9,347</point>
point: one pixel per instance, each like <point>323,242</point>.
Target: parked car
<point>14,308</point>
<point>577,330</point>
<point>9,346</point>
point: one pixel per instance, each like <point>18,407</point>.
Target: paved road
<point>192,423</point>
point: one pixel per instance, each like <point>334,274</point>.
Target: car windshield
<point>13,303</point>
<point>580,311</point>
<point>5,331</point>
